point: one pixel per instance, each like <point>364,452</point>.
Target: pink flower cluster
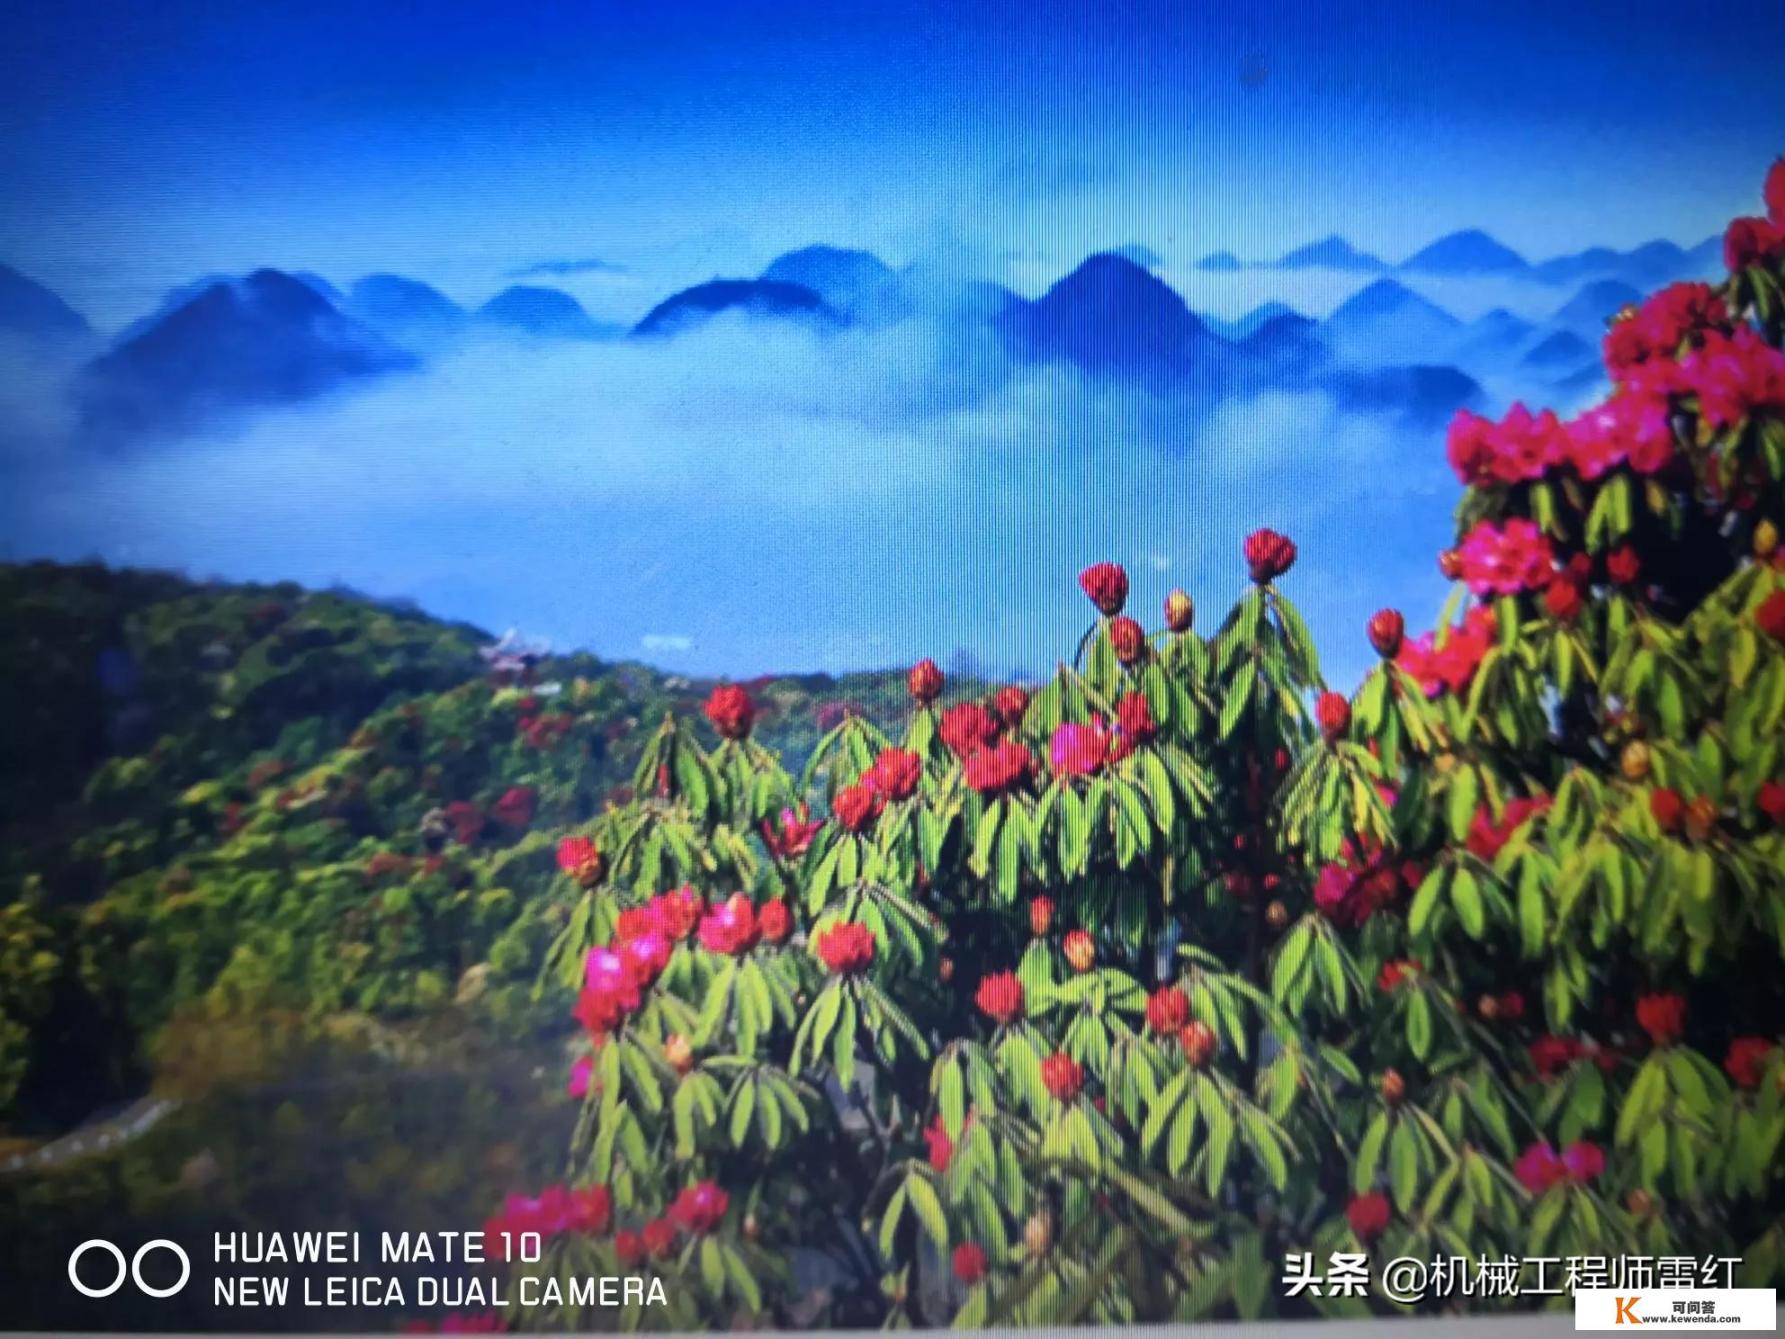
<point>553,1212</point>
<point>1539,1167</point>
<point>1447,660</point>
<point>1486,837</point>
<point>1085,749</point>
<point>1506,559</point>
<point>1351,890</point>
<point>1676,316</point>
<point>644,938</point>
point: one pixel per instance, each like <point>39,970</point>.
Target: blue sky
<point>146,143</point>
<point>741,501</point>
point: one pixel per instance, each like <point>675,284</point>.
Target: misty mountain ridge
<point>266,339</point>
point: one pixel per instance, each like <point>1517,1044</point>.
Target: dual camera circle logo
<point>133,1269</point>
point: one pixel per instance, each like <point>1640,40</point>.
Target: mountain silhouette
<point>266,339</point>
<point>543,313</point>
<point>1111,316</point>
<point>1331,253</point>
<point>846,279</point>
<point>28,308</point>
<point>753,297</point>
<point>1386,322</point>
<point>1241,326</point>
<point>1220,261</point>
<point>1471,251</point>
<point>1562,351</point>
<point>402,308</point>
<point>1491,340</point>
<point>1420,395</point>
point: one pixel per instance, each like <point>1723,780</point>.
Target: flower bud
<point>1701,818</point>
<point>924,682</point>
<point>1180,611</point>
<point>1038,1233</point>
<point>1633,762</point>
<point>1450,563</point>
<point>1667,808</point>
<point>1081,950</point>
<point>1334,714</point>
<point>1766,539</point>
<point>1128,638</point>
<point>1386,630</point>
<point>1488,1007</point>
<point>1041,915</point>
<point>1276,915</point>
<point>1639,1202</point>
<point>945,969</point>
<point>678,1053</point>
<point>1394,1087</point>
<point>1198,1040</point>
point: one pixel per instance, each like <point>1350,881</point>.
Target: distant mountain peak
<point>29,308</point>
<point>1220,261</point>
<point>267,338</point>
<point>1332,253</point>
<point>1110,314</point>
<point>1470,251</point>
<point>1387,297</point>
<point>548,313</point>
<point>753,297</point>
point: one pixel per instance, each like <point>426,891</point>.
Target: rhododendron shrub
<point>1094,1001</point>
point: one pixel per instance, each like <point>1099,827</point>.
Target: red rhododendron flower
<point>924,682</point>
<point>1667,808</point>
<point>969,1262</point>
<point>855,806</point>
<point>1063,1076</point>
<point>775,921</point>
<point>1583,1161</point>
<point>792,836</point>
<point>1770,800</point>
<point>895,774</point>
<point>610,991</point>
<point>1519,448</point>
<point>577,856</point>
<point>1746,1062</point>
<point>514,807</point>
<point>1107,586</point>
<point>1663,1017</point>
<point>1368,1215</point>
<point>629,1248</point>
<point>659,1238</point>
<point>646,955</point>
<point>1563,600</point>
<point>1128,638</point>
<point>1486,837</point>
<point>1011,702</point>
<point>941,1147</point>
<point>701,1207</point>
<point>1351,890</point>
<point>1000,997</point>
<point>1005,766</point>
<point>1751,241</point>
<point>730,927</point>
<point>467,821</point>
<point>1268,555</point>
<point>1770,617</point>
<point>1387,630</point>
<point>1634,427</point>
<point>1134,723</point>
<point>1334,714</point>
<point>1512,1006</point>
<point>1551,1055</point>
<point>730,710</point>
<point>1734,377</point>
<point>1078,750</point>
<point>1673,317</point>
<point>1041,915</point>
<point>1538,1168</point>
<point>677,912</point>
<point>1395,971</point>
<point>1504,560</point>
<point>1623,566</point>
<point>967,728</point>
<point>1447,660</point>
<point>846,947</point>
<point>1168,1009</point>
